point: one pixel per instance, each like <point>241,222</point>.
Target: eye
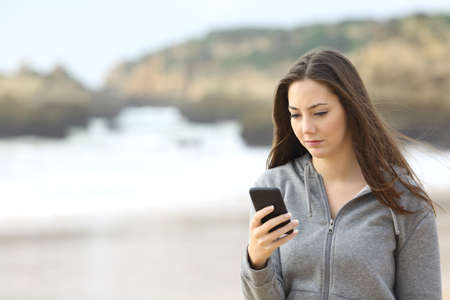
<point>293,116</point>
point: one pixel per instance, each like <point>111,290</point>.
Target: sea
<point>153,161</point>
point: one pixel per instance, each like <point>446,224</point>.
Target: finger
<point>269,242</point>
<point>274,222</point>
<point>274,235</point>
<point>256,220</point>
<point>277,233</point>
<point>284,239</point>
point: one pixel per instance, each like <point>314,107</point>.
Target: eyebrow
<point>312,106</point>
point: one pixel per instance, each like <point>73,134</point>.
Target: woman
<point>364,226</point>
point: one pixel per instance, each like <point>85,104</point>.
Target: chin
<point>319,153</point>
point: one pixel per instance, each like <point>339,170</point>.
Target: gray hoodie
<point>366,252</point>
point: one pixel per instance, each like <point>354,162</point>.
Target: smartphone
<point>265,196</point>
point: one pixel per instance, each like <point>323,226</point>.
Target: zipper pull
<point>331,227</point>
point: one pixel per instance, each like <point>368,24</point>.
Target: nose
<point>308,126</point>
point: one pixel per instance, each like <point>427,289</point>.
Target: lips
<point>313,142</point>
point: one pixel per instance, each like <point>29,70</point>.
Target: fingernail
<point>295,221</point>
<point>270,207</point>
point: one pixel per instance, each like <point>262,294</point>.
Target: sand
<point>141,257</point>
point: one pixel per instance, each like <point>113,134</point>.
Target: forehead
<point>304,93</point>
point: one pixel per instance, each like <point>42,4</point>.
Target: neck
<point>342,167</point>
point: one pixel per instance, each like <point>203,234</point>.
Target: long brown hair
<point>376,144</point>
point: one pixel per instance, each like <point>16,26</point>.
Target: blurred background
<point>131,131</point>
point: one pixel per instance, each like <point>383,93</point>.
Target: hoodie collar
<point>304,163</point>
<point>309,172</point>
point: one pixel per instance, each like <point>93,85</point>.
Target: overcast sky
<point>88,37</point>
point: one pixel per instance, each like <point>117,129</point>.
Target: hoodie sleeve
<point>262,284</point>
<point>418,274</point>
<point>266,283</point>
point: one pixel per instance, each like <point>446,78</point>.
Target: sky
<point>90,37</point>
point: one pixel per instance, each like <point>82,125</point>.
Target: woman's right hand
<point>262,242</point>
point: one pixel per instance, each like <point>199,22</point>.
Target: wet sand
<point>143,257</point>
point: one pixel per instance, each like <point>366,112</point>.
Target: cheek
<point>337,125</point>
<point>296,129</point>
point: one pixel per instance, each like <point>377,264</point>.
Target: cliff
<point>48,104</point>
<point>403,62</point>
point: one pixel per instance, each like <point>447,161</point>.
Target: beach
<point>153,257</point>
<point>169,256</point>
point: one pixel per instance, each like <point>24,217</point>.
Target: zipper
<point>331,225</point>
<point>327,281</point>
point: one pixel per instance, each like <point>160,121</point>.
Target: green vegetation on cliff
<point>404,63</point>
<point>232,74</point>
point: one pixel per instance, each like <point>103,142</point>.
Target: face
<point>318,115</point>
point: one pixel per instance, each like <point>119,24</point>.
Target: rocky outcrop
<point>404,63</point>
<point>232,74</point>
<point>49,104</point>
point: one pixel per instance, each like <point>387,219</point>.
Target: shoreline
<point>67,226</point>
